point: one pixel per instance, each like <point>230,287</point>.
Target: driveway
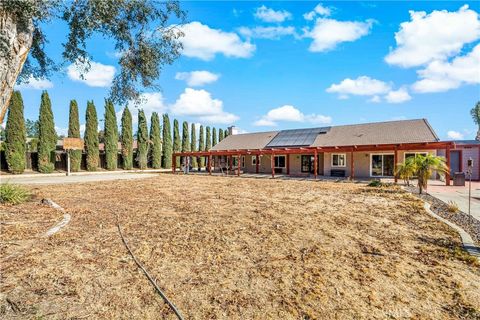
<point>77,178</point>
<point>458,195</point>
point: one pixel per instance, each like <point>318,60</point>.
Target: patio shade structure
<point>315,151</point>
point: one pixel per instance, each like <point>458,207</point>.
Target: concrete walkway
<point>459,195</point>
<point>76,178</point>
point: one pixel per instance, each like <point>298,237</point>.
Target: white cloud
<point>362,86</point>
<point>442,75</point>
<point>148,102</point>
<point>398,96</point>
<point>435,36</point>
<point>272,33</point>
<point>455,135</point>
<point>269,15</point>
<point>318,10</point>
<point>197,78</point>
<point>201,41</point>
<point>291,114</point>
<point>61,131</point>
<point>328,33</point>
<point>36,84</point>
<point>365,86</point>
<point>200,104</point>
<point>99,75</point>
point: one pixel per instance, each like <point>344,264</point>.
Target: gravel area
<point>460,218</point>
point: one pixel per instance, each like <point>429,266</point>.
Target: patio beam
<point>239,162</point>
<point>352,167</point>
<point>447,156</point>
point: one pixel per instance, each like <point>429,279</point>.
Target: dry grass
<point>228,248</point>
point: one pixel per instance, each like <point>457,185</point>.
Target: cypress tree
<point>214,137</point>
<point>156,141</point>
<point>220,134</point>
<point>15,135</point>
<point>176,141</point>
<point>167,143</point>
<point>142,141</point>
<point>111,136</point>
<point>127,140</point>
<point>185,137</point>
<point>225,133</point>
<point>201,147</point>
<point>193,145</point>
<point>91,137</point>
<point>74,132</point>
<point>47,138</point>
<point>208,142</point>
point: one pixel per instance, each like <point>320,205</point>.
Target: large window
<point>254,160</point>
<point>414,154</point>
<point>339,160</point>
<point>279,161</point>
<point>382,165</point>
<point>235,162</point>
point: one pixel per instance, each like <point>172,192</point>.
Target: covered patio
<point>214,158</point>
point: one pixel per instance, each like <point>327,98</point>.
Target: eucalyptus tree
<point>475,112</point>
<point>145,35</point>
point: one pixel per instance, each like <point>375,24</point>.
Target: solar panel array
<point>296,137</point>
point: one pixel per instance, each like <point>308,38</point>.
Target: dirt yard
<point>229,248</point>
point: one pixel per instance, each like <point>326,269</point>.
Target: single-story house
<point>363,151</point>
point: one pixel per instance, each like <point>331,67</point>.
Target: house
<point>362,151</point>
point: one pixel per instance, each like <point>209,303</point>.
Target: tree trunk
<point>478,135</point>
<point>17,41</point>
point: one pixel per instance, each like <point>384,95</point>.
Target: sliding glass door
<point>382,165</point>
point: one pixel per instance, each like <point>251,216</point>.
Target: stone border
<point>467,240</point>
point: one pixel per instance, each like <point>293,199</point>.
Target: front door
<point>454,162</point>
<point>382,165</point>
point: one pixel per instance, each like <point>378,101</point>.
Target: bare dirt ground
<point>229,248</point>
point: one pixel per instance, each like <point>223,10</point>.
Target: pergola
<point>272,152</point>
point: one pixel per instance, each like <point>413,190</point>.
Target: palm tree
<point>475,112</point>
<point>424,167</point>
<point>406,170</point>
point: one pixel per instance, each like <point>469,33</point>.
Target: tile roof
<point>390,132</point>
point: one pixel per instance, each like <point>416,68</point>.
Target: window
<point>243,161</point>
<point>235,161</point>
<point>279,161</point>
<point>382,165</point>
<point>414,154</point>
<point>339,160</point>
<point>254,160</point>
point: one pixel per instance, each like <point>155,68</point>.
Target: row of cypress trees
<point>156,145</point>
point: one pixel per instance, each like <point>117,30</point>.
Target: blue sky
<point>271,65</point>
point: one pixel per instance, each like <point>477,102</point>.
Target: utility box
<point>459,179</point>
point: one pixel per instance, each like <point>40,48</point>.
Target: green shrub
<point>13,194</point>
<point>375,183</point>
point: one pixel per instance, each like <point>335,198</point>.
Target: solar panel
<point>296,137</point>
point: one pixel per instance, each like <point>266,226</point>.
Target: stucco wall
<point>468,152</point>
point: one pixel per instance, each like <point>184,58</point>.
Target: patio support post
<point>315,164</point>
<point>210,164</point>
<point>230,164</point>
<point>288,163</point>
<point>352,167</point>
<point>239,163</point>
<point>257,163</point>
<point>272,164</point>
<point>395,160</point>
<point>174,163</point>
<point>447,174</point>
